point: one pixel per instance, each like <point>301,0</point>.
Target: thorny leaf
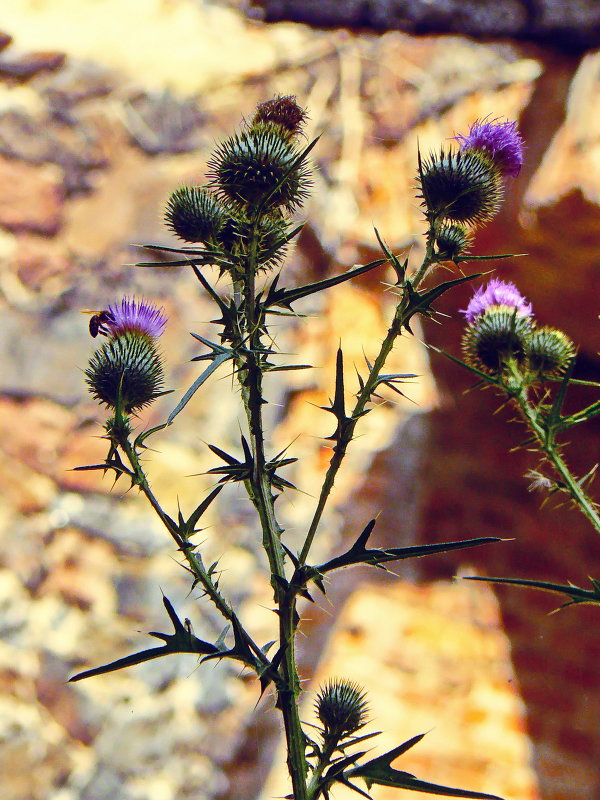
<point>575,593</point>
<point>360,554</point>
<point>380,771</point>
<point>181,641</point>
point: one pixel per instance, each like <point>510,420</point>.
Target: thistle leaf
<point>219,359</point>
<point>181,641</point>
<point>421,303</point>
<point>285,297</point>
<point>190,525</point>
<point>380,771</point>
<point>360,554</point>
<point>553,419</point>
<point>575,593</point>
<point>399,269</point>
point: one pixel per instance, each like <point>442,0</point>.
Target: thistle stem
<point>548,446</point>
<point>250,374</point>
<point>194,560</point>
<point>346,435</point>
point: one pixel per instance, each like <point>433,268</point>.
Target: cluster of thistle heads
<point>463,187</point>
<point>257,178</point>
<point>502,337</point>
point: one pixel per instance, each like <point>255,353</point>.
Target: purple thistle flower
<point>500,140</point>
<point>136,316</point>
<point>496,293</point>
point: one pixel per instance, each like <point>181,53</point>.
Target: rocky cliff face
<point>102,114</point>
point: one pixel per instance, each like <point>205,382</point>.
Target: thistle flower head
<point>283,111</point>
<point>460,187</point>
<point>342,708</point>
<point>126,372</point>
<point>135,316</point>
<point>497,293</point>
<point>193,214</point>
<point>501,141</point>
<point>549,351</point>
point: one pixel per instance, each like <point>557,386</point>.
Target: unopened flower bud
<point>342,708</point>
<point>259,167</point>
<point>270,231</point>
<point>462,187</point>
<point>193,214</point>
<point>453,242</point>
<point>549,351</point>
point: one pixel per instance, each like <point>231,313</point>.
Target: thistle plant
<point>241,221</point>
<point>532,366</point>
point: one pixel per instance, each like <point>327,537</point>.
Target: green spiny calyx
<point>462,187</point>
<point>549,351</point>
<point>259,167</point>
<point>126,372</point>
<point>495,337</point>
<point>270,240</point>
<point>342,709</point>
<point>453,242</point>
<point>193,214</point>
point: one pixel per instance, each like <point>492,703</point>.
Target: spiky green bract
<point>283,113</point>
<point>118,428</point>
<point>193,214</point>
<point>259,167</point>
<point>464,187</point>
<point>453,242</point>
<point>126,372</point>
<point>342,708</point>
<point>494,338</point>
<point>548,351</point>
<point>235,238</point>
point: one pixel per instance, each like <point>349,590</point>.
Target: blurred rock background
<point>106,106</point>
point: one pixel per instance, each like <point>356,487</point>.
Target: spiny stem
<point>550,450</point>
<point>193,559</point>
<point>324,759</point>
<point>364,396</point>
<point>250,373</point>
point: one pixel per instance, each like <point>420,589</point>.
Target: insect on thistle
<point>98,321</point>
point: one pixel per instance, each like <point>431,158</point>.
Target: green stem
<point>324,759</point>
<point>548,447</point>
<point>250,373</point>
<point>364,396</point>
<point>193,559</point>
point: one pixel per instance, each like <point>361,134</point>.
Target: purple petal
<point>137,315</point>
<point>496,293</point>
<point>500,140</point>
